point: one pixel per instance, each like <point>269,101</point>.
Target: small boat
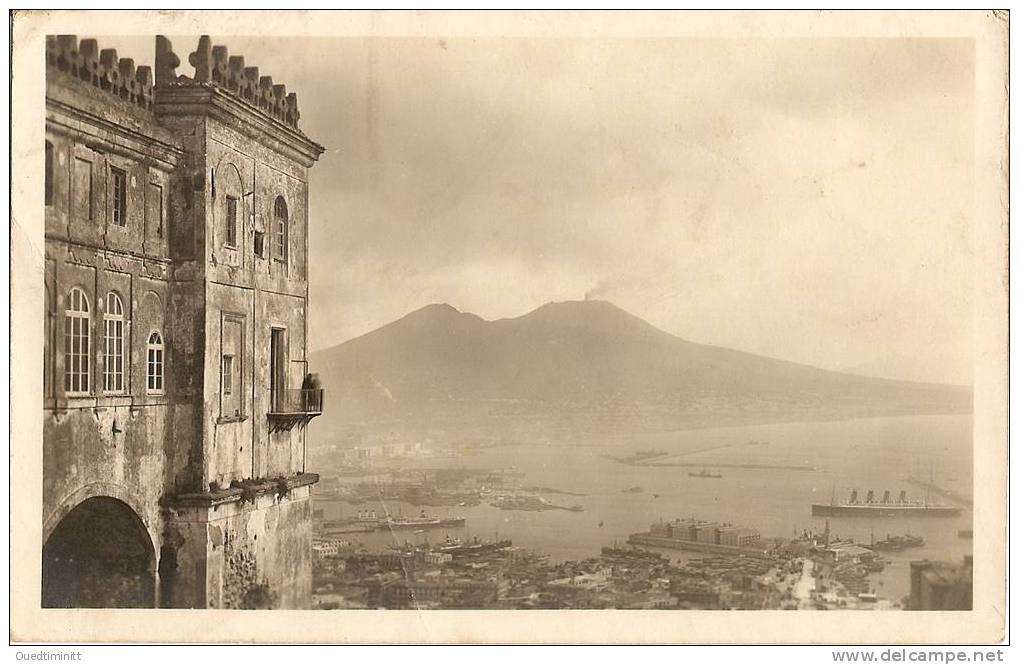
<point>703,473</point>
<point>601,524</point>
<point>896,543</point>
<point>633,490</point>
<point>656,496</point>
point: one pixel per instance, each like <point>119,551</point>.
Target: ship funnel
<point>870,496</point>
<point>888,497</point>
<point>852,497</point>
<point>902,496</point>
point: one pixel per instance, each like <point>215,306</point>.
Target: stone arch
<point>232,179</point>
<point>230,187</point>
<point>97,489</point>
<point>99,554</point>
<point>150,296</point>
<point>151,312</point>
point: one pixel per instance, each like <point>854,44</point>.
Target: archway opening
<point>99,555</point>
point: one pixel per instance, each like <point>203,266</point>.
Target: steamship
<point>886,507</point>
<point>421,522</point>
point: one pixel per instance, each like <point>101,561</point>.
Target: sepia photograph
<point>463,316</point>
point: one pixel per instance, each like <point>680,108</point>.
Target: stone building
<point>176,295</point>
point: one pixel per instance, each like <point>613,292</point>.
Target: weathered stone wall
<point>262,290</point>
<point>280,452</point>
<point>186,242</point>
<point>184,559</point>
<point>99,443</point>
<point>84,457</point>
<point>146,152</point>
<point>231,441</point>
<point>251,554</point>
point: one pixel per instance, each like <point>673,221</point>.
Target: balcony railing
<point>295,406</point>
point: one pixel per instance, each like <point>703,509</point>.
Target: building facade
<point>176,297</point>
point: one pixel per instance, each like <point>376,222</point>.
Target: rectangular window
<point>76,354</point>
<point>231,221</point>
<point>81,189</point>
<point>118,179</point>
<point>232,348</point>
<point>228,375</point>
<point>155,207</point>
<point>278,369</point>
<point>113,373</point>
<point>154,371</point>
<point>280,240</point>
<point>259,244</point>
<point>49,173</point>
<point>280,219</point>
<point>47,348</point>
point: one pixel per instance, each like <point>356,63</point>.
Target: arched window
<point>77,343</point>
<point>49,173</point>
<point>154,364</point>
<point>279,230</point>
<point>113,350</point>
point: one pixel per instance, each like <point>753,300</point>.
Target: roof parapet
<point>103,69</point>
<point>215,66</point>
<point>166,62</point>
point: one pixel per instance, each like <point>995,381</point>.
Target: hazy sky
<point>803,199</point>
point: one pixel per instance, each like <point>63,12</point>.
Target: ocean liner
<point>886,507</point>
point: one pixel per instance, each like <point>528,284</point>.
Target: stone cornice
<point>235,494</point>
<point>164,261</point>
<point>207,100</point>
<point>73,121</point>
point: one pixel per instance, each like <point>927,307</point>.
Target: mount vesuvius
<point>589,359</point>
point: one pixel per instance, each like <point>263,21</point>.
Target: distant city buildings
<point>707,533</point>
<point>941,585</point>
<point>363,453</point>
